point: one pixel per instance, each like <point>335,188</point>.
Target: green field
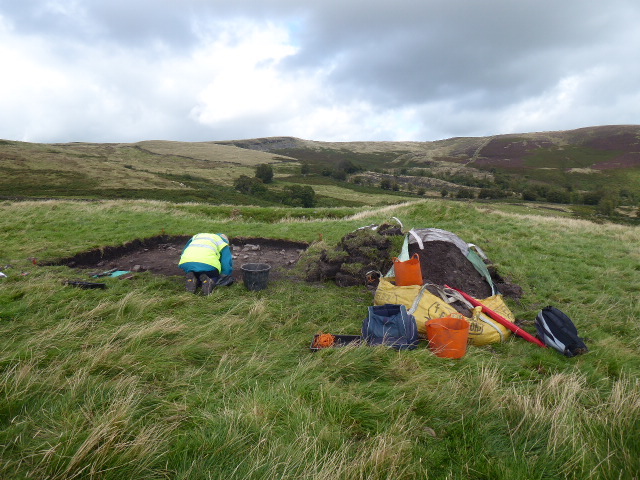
<point>144,380</point>
<point>546,167</point>
<point>173,170</point>
<point>161,170</point>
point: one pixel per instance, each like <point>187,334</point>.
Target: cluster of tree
<point>504,186</point>
<point>250,185</point>
<point>605,200</point>
<point>343,169</point>
<point>387,184</point>
<point>493,193</point>
<point>298,196</point>
<point>292,195</point>
<point>468,180</point>
<point>264,172</point>
<point>540,192</point>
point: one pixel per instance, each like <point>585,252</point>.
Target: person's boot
<point>225,281</point>
<point>191,282</point>
<point>208,284</point>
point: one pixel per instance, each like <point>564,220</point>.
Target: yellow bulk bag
<point>424,306</point>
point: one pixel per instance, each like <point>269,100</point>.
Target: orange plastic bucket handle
<point>414,258</point>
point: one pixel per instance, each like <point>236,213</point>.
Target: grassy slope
<point>151,169</point>
<point>157,170</point>
<point>204,171</point>
<point>146,381</point>
<point>208,151</point>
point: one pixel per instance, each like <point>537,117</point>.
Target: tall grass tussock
<point>144,380</point>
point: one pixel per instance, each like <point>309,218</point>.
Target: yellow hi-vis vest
<point>204,248</point>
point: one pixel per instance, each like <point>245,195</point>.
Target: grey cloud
<point>131,24</point>
<point>404,48</point>
<point>461,65</point>
<point>500,50</point>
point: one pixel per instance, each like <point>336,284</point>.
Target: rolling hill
<point>603,160</point>
<point>608,147</point>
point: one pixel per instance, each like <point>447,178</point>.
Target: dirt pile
<point>367,250</point>
<point>443,263</point>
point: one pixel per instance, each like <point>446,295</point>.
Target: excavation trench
<point>160,255</point>
<point>347,264</point>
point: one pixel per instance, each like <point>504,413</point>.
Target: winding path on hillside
<point>476,154</point>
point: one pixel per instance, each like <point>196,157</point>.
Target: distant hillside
<point>596,148</point>
<point>555,166</point>
<point>180,171</point>
<point>575,166</point>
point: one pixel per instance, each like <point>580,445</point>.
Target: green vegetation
<point>264,172</point>
<point>299,196</point>
<point>144,380</point>
<point>293,195</point>
<point>249,185</point>
<point>597,167</point>
<point>569,157</point>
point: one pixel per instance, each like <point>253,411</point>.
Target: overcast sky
<point>331,70</point>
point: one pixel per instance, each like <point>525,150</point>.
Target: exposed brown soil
<point>357,254</point>
<point>160,255</point>
<point>442,263</point>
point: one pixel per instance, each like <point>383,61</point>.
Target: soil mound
<point>160,255</point>
<point>366,250</point>
<point>443,263</point>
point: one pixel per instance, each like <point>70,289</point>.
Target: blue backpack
<point>390,325</point>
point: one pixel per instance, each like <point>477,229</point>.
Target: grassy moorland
<point>144,380</point>
<point>162,170</point>
<point>595,170</point>
<point>188,172</point>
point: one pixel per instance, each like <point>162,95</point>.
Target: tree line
<point>291,195</point>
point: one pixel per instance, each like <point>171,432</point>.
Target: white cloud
<point>402,70</point>
<point>352,122</point>
<point>245,77</point>
<point>585,99</point>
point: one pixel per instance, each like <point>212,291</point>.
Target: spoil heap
<point>367,250</point>
<point>443,263</point>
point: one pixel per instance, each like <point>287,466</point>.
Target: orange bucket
<point>408,272</point>
<point>448,336</point>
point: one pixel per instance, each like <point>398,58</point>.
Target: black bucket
<point>255,275</point>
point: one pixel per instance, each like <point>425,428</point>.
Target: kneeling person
<point>204,258</point>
